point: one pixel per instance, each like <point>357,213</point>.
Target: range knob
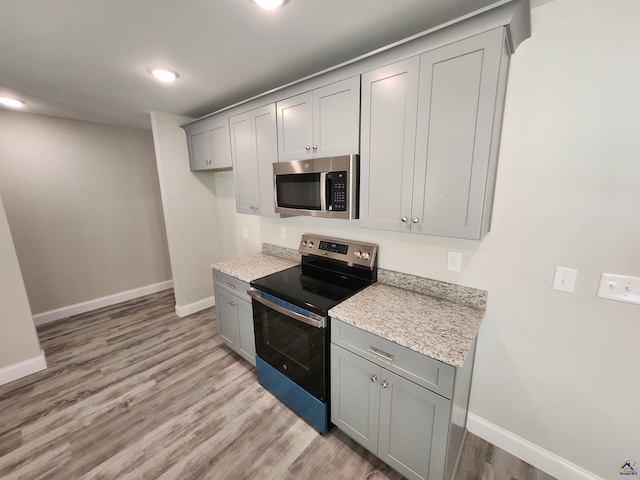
<point>304,243</point>
<point>310,244</point>
<point>366,255</point>
<point>357,253</point>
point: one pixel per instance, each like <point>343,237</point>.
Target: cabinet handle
<point>307,148</point>
<point>415,219</point>
<point>315,147</point>
<point>232,303</point>
<point>230,285</point>
<point>404,219</point>
<point>381,354</point>
<point>373,379</point>
<point>385,384</point>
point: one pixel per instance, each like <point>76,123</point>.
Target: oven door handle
<point>319,322</point>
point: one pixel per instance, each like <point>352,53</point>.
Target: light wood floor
<point>134,392</point>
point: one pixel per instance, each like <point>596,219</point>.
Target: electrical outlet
<point>564,279</point>
<point>620,288</point>
<point>283,232</point>
<point>454,261</point>
<point>245,233</point>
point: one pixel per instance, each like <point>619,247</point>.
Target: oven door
<point>292,343</point>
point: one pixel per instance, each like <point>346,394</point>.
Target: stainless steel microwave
<point>320,187</point>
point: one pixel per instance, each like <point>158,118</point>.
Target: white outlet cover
<point>454,261</point>
<point>564,279</point>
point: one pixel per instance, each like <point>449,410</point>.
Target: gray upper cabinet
<point>389,114</point>
<point>321,123</point>
<point>209,144</point>
<point>254,147</point>
<point>432,170</point>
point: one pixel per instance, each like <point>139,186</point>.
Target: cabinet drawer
<point>231,284</point>
<point>425,371</point>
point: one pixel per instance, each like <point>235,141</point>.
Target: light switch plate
<point>620,288</point>
<point>564,279</point>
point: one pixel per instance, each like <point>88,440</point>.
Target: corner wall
<point>20,353</point>
<point>199,212</point>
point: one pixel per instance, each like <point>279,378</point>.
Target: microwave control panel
<point>338,186</point>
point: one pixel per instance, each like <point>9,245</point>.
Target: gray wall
<point>18,339</point>
<point>83,203</point>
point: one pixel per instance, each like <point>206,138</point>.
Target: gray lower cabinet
<point>430,136</point>
<point>384,397</point>
<point>235,316</point>
<point>209,144</point>
<point>254,148</point>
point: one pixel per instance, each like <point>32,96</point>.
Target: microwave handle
<point>323,191</point>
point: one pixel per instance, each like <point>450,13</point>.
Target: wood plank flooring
<point>134,392</point>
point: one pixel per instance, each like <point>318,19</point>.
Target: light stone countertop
<point>437,319</point>
<point>435,327</point>
<point>250,267</point>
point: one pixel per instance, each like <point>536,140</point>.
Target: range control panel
<point>348,251</point>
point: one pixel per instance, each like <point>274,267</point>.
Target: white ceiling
<point>88,59</point>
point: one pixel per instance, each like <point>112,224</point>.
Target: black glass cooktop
<point>317,293</point>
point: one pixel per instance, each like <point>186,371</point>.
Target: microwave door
<point>300,192</point>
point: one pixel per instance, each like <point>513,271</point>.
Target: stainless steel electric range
<point>291,320</point>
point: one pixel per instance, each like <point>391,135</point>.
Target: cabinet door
<point>254,147</point>
<point>227,313</point>
<point>199,148</point>
<point>244,164</point>
<point>336,118</point>
<point>355,396</point>
<point>389,110</point>
<point>295,131</point>
<point>220,144</point>
<point>246,337</point>
<point>413,428</point>
<point>265,150</point>
<point>457,104</point>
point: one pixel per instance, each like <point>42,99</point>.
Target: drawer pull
<point>230,285</point>
<point>381,354</point>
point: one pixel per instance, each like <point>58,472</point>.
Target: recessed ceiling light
<point>164,75</point>
<point>269,4</point>
<point>11,102</point>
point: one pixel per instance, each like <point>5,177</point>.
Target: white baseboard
<point>22,369</point>
<point>531,453</point>
<point>191,308</point>
<point>64,312</point>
